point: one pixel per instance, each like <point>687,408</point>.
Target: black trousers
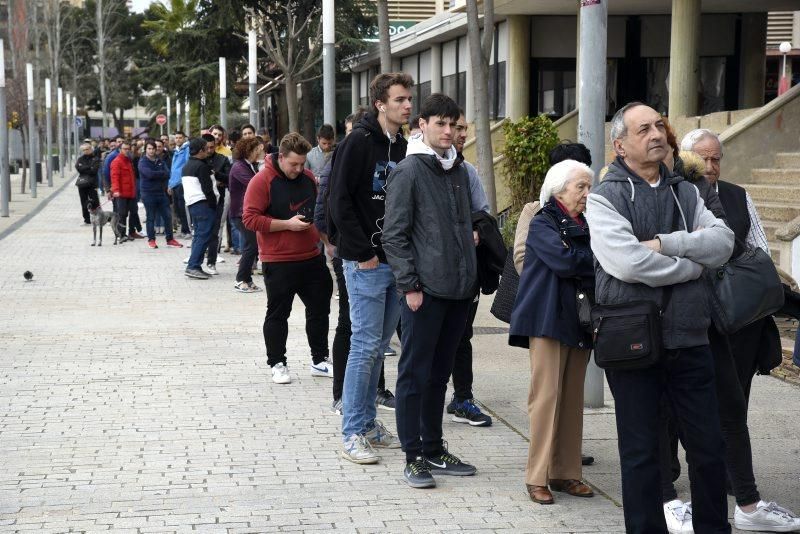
<point>86,194</point>
<point>249,252</point>
<point>128,210</point>
<point>213,243</point>
<point>430,338</point>
<point>341,339</point>
<point>309,280</point>
<point>462,365</point>
<point>733,376</point>
<point>686,377</point>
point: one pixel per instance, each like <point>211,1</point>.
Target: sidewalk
<point>137,400</point>
<point>23,206</point>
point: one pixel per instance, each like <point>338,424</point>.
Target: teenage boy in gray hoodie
<point>651,232</point>
<point>429,244</point>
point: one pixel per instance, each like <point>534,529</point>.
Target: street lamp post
<point>67,134</point>
<point>784,84</point>
<point>31,131</point>
<point>5,177</point>
<point>591,127</point>
<point>75,124</point>
<point>60,129</point>
<point>169,129</point>
<point>252,76</point>
<point>223,94</point>
<point>48,128</point>
<point>187,122</point>
<point>328,63</point>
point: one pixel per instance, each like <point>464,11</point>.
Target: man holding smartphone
<point>279,207</point>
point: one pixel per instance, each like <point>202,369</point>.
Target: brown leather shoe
<point>572,487</point>
<point>540,494</point>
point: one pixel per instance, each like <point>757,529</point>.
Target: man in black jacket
<point>356,205</point>
<point>220,168</point>
<point>429,243</point>
<point>201,196</point>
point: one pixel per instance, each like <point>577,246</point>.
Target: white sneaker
<point>382,438</point>
<point>768,517</point>
<point>280,374</point>
<point>678,515</point>
<point>211,269</point>
<point>186,259</point>
<point>323,368</point>
<point>220,259</point>
<point>358,450</point>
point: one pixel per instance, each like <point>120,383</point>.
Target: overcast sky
<point>138,6</point>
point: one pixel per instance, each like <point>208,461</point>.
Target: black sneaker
<point>385,400</point>
<point>449,464</point>
<point>198,274</point>
<point>451,407</point>
<point>467,412</point>
<point>418,474</point>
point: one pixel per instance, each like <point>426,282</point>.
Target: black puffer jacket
<point>427,233</point>
<point>88,166</point>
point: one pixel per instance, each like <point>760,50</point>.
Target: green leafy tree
<point>526,162</point>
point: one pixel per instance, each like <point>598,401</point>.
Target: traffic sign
<point>78,122</point>
<point>161,119</point>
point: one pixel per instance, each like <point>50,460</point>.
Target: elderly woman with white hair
<point>87,165</point>
<point>558,266</point>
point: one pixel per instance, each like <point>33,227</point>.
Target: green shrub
<point>527,149</point>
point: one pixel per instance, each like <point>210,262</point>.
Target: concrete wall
<point>753,142</point>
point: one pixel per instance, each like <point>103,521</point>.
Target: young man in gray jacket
<point>429,244</point>
<point>652,232</point>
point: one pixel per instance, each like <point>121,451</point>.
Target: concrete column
<point>436,68</point>
<point>518,68</point>
<point>354,87</point>
<point>753,66</point>
<point>684,68</point>
<point>578,57</point>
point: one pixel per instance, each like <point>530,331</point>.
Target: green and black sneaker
<point>449,464</point>
<point>418,474</point>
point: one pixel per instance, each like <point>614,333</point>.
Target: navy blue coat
<point>153,176</point>
<point>558,261</point>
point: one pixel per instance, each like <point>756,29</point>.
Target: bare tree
<point>294,46</point>
<point>479,50</point>
<point>106,21</point>
<point>384,45</point>
<point>16,88</point>
<point>53,25</point>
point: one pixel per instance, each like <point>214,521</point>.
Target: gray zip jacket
<point>427,232</point>
<point>623,211</point>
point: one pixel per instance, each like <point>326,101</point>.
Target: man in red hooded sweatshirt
<point>123,189</point>
<point>279,207</point>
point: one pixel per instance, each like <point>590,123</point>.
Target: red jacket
<point>271,195</point>
<point>123,180</point>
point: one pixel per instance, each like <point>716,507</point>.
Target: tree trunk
<point>101,62</point>
<point>479,63</point>
<point>291,102</point>
<point>307,109</point>
<point>383,36</point>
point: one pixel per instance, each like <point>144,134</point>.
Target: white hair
<point>84,146</point>
<point>560,175</point>
<point>695,136</point>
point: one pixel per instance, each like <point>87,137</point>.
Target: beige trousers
<point>555,409</point>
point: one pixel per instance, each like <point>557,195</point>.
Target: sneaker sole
<point>421,485</point>
<point>281,381</point>
<point>360,461</point>
<point>382,407</point>
<point>435,471</point>
<point>470,422</point>
<point>395,445</point>
<point>196,277</point>
<point>763,528</point>
<point>320,373</point>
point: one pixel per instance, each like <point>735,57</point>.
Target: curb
<point>31,214</point>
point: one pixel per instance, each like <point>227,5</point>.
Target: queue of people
<point>406,225</point>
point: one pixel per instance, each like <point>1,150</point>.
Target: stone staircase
<point>776,194</point>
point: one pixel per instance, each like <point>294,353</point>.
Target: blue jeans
<point>203,218</point>
<point>374,312</point>
<point>156,206</point>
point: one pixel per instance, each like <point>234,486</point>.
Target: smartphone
<point>306,219</point>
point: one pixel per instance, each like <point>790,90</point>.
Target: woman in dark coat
<point>247,153</point>
<point>558,264</point>
<point>87,166</point>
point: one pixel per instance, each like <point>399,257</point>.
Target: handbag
<point>506,292</point>
<point>628,335</point>
<point>83,181</point>
<point>744,290</point>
